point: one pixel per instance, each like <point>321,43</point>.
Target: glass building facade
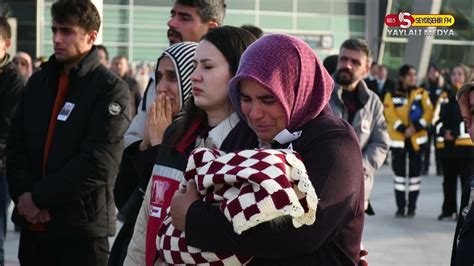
<point>446,51</point>
<point>137,28</point>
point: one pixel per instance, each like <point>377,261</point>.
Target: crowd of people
<point>240,148</point>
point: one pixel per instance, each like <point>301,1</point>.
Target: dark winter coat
<point>85,153</point>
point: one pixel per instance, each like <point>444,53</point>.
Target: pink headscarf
<point>289,69</point>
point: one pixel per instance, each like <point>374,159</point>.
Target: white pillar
<point>372,27</point>
<point>418,48</point>
<point>39,27</point>
<point>14,26</point>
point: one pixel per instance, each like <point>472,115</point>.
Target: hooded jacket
<point>136,167</point>
<point>136,131</point>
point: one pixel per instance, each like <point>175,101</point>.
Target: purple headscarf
<point>290,70</point>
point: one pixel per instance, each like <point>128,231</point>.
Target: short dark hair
<point>330,63</point>
<point>405,69</point>
<point>103,48</point>
<point>358,45</point>
<point>5,29</point>
<point>208,10</point>
<point>256,31</point>
<point>403,72</point>
<point>80,12</point>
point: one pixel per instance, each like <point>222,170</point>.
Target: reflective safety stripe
<point>397,123</point>
<point>439,139</point>
<point>414,187</point>
<point>169,172</point>
<point>463,134</point>
<point>422,122</point>
<point>438,127</point>
<point>397,144</point>
<point>463,139</point>
<point>399,187</point>
<point>464,142</point>
<point>421,140</point>
<point>399,179</point>
<point>414,180</point>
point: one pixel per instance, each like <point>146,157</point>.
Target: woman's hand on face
<point>160,118</point>
<point>145,144</point>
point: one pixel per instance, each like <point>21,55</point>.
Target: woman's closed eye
<point>171,75</point>
<point>268,101</point>
<point>158,77</point>
<point>245,99</point>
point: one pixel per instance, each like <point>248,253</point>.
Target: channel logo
<point>406,20</point>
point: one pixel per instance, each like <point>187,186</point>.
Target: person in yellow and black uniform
<point>436,85</point>
<point>439,138</point>
<point>408,111</point>
<point>458,148</point>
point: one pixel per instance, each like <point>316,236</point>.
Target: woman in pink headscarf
<point>281,91</point>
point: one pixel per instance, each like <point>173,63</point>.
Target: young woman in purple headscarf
<point>281,91</point>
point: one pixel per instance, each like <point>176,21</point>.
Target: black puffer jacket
<point>85,153</point>
<point>11,85</point>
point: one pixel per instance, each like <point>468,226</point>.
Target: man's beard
<point>174,36</point>
<point>70,59</point>
<point>342,80</point>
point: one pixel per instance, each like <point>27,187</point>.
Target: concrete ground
<point>420,241</point>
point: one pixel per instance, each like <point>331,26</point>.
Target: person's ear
<point>212,24</point>
<point>367,67</point>
<point>92,36</point>
<point>8,43</point>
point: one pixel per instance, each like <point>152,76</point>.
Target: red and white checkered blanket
<point>251,187</point>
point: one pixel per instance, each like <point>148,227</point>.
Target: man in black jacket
<point>65,146</point>
<point>11,84</point>
<point>119,66</point>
